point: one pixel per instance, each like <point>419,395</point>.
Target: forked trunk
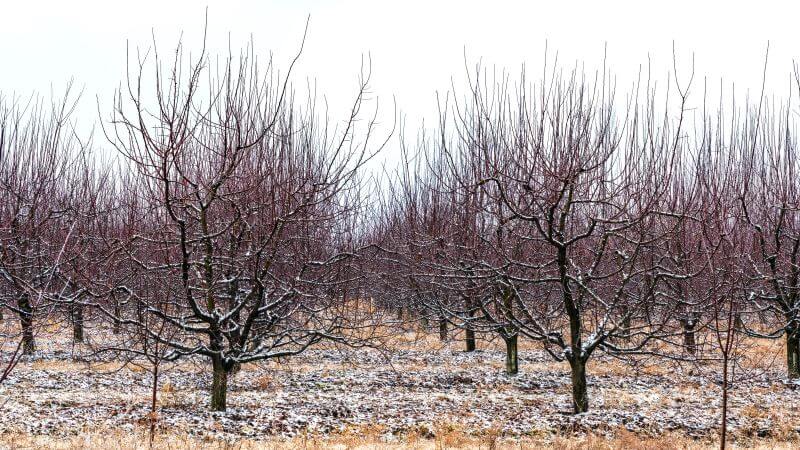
<point>442,329</point>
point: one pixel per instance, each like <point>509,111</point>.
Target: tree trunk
<point>625,328</point>
<point>723,433</point>
<point>470,340</point>
<point>793,352</point>
<point>77,322</point>
<point>512,361</point>
<point>154,403</point>
<point>576,357</point>
<point>154,392</point>
<point>580,396</point>
<point>689,341</point>
<point>219,387</point>
<point>140,311</point>
<point>442,329</point>
<point>26,323</point>
<point>470,333</point>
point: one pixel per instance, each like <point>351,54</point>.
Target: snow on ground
<point>324,391</point>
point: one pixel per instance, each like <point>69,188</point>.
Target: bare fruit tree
<point>769,201</point>
<point>238,202</point>
<point>552,202</point>
<point>37,152</point>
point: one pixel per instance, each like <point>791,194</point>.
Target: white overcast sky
<point>417,47</point>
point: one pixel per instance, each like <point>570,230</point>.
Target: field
<point>419,394</point>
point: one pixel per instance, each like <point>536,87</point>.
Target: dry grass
<point>757,354</point>
<point>61,365</point>
<point>372,438</point>
<point>355,439</point>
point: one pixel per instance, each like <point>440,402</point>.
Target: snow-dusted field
<point>406,391</point>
